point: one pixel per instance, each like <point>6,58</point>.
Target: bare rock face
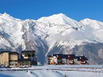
<point>53,34</point>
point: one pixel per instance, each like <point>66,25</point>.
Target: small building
<point>61,59</point>
<point>8,59</point>
<point>71,58</point>
<point>81,60</point>
<point>68,59</point>
<point>52,60</point>
<point>28,57</point>
<point>56,59</point>
<point>13,59</point>
<point>65,58</point>
<point>4,58</point>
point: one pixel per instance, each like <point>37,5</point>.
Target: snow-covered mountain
<point>53,34</point>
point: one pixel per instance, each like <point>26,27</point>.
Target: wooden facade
<point>8,58</point>
<point>30,56</point>
<point>13,56</point>
<point>13,59</point>
<point>4,58</point>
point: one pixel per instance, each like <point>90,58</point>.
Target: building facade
<point>4,58</point>
<point>29,56</point>
<point>69,59</point>
<point>14,59</point>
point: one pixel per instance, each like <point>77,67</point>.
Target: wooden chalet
<point>28,57</point>
<point>61,59</point>
<point>82,60</point>
<point>8,59</point>
<point>69,59</point>
<point>14,59</point>
<point>4,58</point>
<point>52,60</point>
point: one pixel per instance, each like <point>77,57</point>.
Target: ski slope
<point>54,71</point>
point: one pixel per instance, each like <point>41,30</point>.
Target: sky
<point>34,9</point>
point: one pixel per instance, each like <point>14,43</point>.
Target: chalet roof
<point>79,57</point>
<point>63,55</point>
<point>9,52</point>
<point>24,60</point>
<point>4,52</point>
<point>14,53</point>
<point>26,51</point>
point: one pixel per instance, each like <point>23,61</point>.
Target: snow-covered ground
<point>54,71</point>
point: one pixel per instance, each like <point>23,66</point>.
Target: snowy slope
<point>47,35</point>
<point>46,73</point>
<point>10,30</point>
<point>93,29</point>
<point>55,71</point>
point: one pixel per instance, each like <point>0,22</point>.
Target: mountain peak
<point>5,15</point>
<point>56,19</point>
<point>87,19</point>
<point>59,15</point>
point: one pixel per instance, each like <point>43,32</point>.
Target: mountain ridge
<point>54,34</point>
